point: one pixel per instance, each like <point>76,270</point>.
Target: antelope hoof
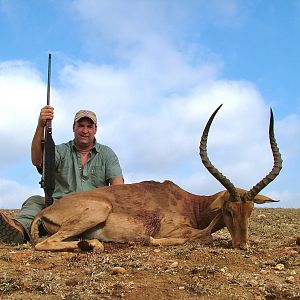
<point>90,245</point>
<point>146,241</point>
<point>241,246</point>
<point>244,246</point>
<point>85,246</point>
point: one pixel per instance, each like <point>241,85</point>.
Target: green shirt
<point>101,167</point>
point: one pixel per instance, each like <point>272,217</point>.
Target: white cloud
<point>121,29</point>
<point>166,127</point>
<point>133,20</point>
<point>14,193</point>
<point>21,93</point>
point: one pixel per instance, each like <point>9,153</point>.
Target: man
<point>81,164</point>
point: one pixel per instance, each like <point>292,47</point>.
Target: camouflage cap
<point>85,114</point>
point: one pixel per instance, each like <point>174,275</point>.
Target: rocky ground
<point>270,269</point>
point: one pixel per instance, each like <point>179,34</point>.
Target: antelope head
<point>237,204</point>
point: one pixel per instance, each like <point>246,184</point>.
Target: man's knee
<point>30,208</point>
<point>34,201</point>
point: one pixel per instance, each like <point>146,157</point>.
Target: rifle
<point>48,175</point>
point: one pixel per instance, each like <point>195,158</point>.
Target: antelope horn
<point>209,166</point>
<point>276,167</point>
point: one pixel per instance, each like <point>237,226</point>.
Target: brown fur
<point>152,212</point>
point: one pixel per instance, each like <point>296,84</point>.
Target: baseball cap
<point>85,114</point>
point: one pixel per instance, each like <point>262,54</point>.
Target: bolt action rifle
<point>48,177</point>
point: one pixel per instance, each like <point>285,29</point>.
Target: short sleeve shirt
<point>101,167</point>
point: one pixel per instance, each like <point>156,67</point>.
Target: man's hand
<point>117,181</point>
<point>47,113</point>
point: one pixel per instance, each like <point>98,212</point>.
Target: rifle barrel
<point>49,79</point>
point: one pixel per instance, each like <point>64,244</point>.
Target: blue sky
<point>154,71</point>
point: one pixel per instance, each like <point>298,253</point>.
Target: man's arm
<point>36,145</point>
<point>117,181</point>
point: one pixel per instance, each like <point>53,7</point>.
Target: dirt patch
<point>270,269</point>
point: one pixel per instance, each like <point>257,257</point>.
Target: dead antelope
<point>159,213</point>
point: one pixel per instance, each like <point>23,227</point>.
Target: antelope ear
<point>260,199</point>
<point>219,201</point>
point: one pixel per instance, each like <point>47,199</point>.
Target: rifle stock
<point>48,176</point>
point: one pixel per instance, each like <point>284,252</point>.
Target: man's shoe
<point>11,232</point>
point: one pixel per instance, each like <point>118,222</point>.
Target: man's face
<point>84,133</point>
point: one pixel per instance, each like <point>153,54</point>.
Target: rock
<point>261,216</point>
<point>290,251</point>
<point>174,264</point>
<point>72,282</point>
<point>290,279</point>
<point>26,284</point>
<point>279,267</point>
<point>118,270</point>
<point>253,282</point>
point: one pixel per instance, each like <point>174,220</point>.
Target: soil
<point>269,269</point>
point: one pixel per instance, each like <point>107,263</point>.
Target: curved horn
<point>208,165</point>
<point>276,167</point>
